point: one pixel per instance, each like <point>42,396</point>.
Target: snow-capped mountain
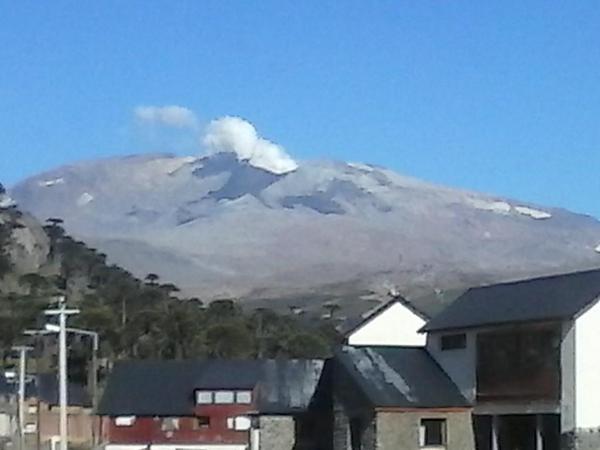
<point>221,225</point>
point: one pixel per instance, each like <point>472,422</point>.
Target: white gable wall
<point>567,377</point>
<point>587,368</point>
<point>396,325</point>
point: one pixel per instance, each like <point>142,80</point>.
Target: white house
<point>527,355</point>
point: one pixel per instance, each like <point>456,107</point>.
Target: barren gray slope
<point>218,226</point>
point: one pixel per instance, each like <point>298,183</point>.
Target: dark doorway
<point>356,433</point>
<point>517,432</point>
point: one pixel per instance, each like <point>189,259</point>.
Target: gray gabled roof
<point>400,377</point>
<point>166,388</point>
<point>554,297</point>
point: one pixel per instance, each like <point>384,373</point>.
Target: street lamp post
<point>22,349</point>
<point>51,328</point>
<point>62,312</point>
<point>93,379</point>
<point>93,372</point>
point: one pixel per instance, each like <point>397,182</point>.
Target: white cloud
<point>168,116</point>
<point>236,135</point>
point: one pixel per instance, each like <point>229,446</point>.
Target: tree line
<point>145,318</point>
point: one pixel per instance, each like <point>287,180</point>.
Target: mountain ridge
<point>220,227</point>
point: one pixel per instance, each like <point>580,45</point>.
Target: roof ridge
<point>535,278</point>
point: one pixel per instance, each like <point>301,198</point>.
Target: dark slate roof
<point>538,299</point>
<point>228,374</point>
<point>400,377</point>
<point>288,386</point>
<point>44,386</point>
<point>166,388</point>
<point>47,391</point>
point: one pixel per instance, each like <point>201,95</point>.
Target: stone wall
<point>582,439</point>
<point>341,427</point>
<point>277,433</point>
<point>400,430</point>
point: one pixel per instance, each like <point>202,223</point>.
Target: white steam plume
<point>236,135</point>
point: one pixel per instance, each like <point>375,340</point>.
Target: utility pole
<point>62,312</point>
<point>22,349</point>
<point>92,372</point>
<point>50,328</point>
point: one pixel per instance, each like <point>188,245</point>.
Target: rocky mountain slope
<point>24,245</point>
<point>221,226</point>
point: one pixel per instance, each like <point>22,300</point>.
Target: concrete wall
<point>459,364</point>
<point>342,435</point>
<point>400,430</point>
<point>587,440</point>
<point>587,368</point>
<point>7,425</point>
<point>80,422</point>
<point>276,433</point>
<point>567,378</point>
<point>397,325</point>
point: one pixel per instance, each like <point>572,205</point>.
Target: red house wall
<point>147,430</point>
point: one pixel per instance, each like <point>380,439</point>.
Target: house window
<point>432,433</point>
<point>453,341</point>
<point>170,424</point>
<point>240,423</point>
<point>224,397</point>
<point>201,422</point>
<point>244,397</point>
<point>204,397</point>
<point>124,421</point>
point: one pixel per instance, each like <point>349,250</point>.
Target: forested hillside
<point>136,318</point>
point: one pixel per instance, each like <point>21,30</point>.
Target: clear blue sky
<point>495,96</point>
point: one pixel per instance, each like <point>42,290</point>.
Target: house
<point>41,416</point>
<point>380,326</point>
<point>510,366</point>
<point>392,397</point>
<point>526,354</point>
<point>210,404</point>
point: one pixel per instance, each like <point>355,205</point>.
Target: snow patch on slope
<point>361,166</point>
<point>84,199</point>
<point>50,183</point>
<point>502,207</point>
<point>6,201</point>
<point>498,207</point>
<point>176,164</point>
<point>597,249</point>
<point>533,213</point>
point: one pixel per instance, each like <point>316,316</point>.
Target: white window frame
<point>239,423</point>
<point>423,433</point>
<point>124,421</point>
<point>218,400</point>
<point>248,399</point>
<point>199,394</point>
